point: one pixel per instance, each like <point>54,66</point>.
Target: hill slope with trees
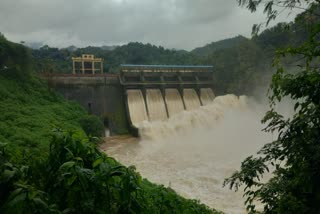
<point>49,161</point>
<point>219,45</point>
<point>291,160</point>
<point>240,64</point>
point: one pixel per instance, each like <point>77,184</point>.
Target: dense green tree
<point>92,125</point>
<point>63,172</point>
<point>240,64</point>
<point>14,60</point>
<point>294,157</point>
<point>77,178</point>
<point>219,45</point>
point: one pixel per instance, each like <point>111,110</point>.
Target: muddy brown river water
<point>193,152</point>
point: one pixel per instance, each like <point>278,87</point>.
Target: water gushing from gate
<point>194,151</point>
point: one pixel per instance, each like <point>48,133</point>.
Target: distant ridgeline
<point>240,64</point>
<point>48,161</point>
<point>127,94</point>
<point>138,93</point>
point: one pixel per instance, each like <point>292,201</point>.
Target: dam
<point>187,141</point>
<point>137,93</point>
<point>157,92</point>
<point>193,152</point>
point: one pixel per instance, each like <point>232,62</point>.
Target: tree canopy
<point>294,157</point>
<point>240,64</point>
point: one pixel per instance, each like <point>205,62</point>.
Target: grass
<point>29,112</point>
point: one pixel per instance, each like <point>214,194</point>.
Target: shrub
<point>77,178</point>
<point>92,125</point>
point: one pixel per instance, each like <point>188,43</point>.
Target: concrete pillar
<point>182,96</point>
<point>73,67</point>
<point>142,79</point>
<point>198,91</point>
<point>101,63</point>
<point>163,92</point>
<point>93,72</point>
<point>144,94</point>
<point>197,79</point>
<point>82,66</point>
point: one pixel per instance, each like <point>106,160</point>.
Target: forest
<point>49,156</point>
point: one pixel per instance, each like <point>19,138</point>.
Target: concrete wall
<point>99,95</point>
<point>104,94</point>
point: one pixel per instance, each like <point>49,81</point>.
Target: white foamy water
<point>206,96</point>
<point>194,151</point>
<point>156,107</point>
<point>191,99</point>
<point>137,107</point>
<point>173,101</point>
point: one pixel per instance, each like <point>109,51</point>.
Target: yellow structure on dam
<point>87,64</point>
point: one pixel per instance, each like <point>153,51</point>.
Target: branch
<point>296,7</point>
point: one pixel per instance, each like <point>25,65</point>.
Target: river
<point>194,151</point>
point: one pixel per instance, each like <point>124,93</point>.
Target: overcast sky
<point>181,24</point>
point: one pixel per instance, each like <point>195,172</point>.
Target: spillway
<point>206,96</point>
<point>194,151</point>
<point>137,107</point>
<point>173,101</point>
<point>156,107</point>
<point>191,99</point>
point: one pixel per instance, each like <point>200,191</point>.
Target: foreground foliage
<point>77,178</point>
<point>29,110</point>
<point>92,125</point>
<point>294,157</point>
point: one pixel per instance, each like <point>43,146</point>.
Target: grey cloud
<point>182,24</point>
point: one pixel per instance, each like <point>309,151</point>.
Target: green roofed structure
<point>157,92</point>
<point>166,68</point>
<point>135,76</point>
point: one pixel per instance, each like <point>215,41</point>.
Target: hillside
<point>48,59</point>
<point>28,109</point>
<point>219,45</point>
<point>242,65</point>
<point>49,162</point>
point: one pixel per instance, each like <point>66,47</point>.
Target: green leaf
<point>71,180</point>
<point>40,202</point>
<point>97,162</point>
<point>7,175</point>
<point>67,165</point>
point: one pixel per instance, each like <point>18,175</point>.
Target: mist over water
<point>194,151</point>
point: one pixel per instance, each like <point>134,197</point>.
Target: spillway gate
<point>157,92</point>
<point>138,92</point>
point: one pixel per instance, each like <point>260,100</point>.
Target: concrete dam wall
<point>101,95</point>
<point>138,93</point>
